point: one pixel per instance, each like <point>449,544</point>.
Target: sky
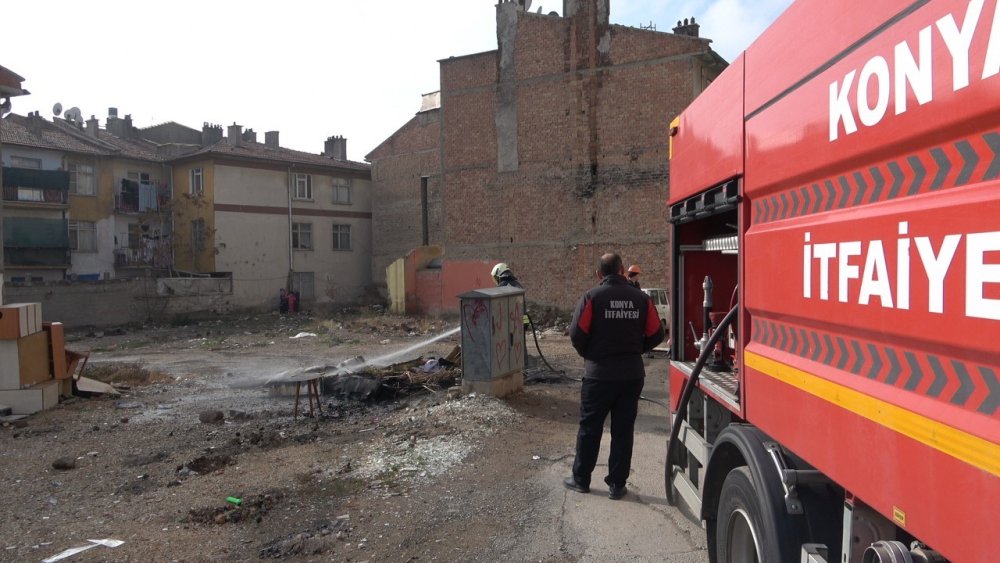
<point>306,68</point>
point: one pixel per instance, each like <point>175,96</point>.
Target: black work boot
<point>616,492</point>
<point>572,484</point>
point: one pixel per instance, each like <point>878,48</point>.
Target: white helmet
<point>498,271</point>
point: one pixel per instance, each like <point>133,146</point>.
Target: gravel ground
<point>430,476</point>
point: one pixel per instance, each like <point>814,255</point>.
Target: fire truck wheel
<point>740,534</point>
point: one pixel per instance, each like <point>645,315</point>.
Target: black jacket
<point>508,279</point>
<point>612,326</point>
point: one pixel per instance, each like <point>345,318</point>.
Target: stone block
<point>32,399</point>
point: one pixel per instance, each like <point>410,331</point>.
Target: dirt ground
<point>428,476</point>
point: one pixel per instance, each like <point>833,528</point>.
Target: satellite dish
<point>539,10</point>
<point>75,115</point>
<point>57,109</point>
<point>527,5</point>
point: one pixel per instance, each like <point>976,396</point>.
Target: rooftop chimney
<point>335,148</point>
<point>250,136</point>
<point>116,126</point>
<point>92,125</point>
<point>235,134</point>
<point>687,28</point>
<point>210,134</point>
<point>271,139</point>
<point>35,123</point>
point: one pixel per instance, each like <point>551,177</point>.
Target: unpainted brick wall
<point>594,103</point>
<point>397,168</point>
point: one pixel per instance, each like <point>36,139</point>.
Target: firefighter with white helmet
<point>504,277</point>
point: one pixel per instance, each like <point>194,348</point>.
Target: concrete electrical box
<point>492,341</point>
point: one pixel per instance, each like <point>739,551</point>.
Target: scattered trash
<point>128,404</point>
<point>88,385</point>
<point>432,365</point>
<point>64,464</point>
<point>74,550</point>
<point>211,417</point>
<point>386,341</point>
<point>536,457</point>
<point>303,335</point>
<point>234,500</point>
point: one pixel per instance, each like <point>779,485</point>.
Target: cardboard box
<point>10,365</point>
<point>33,399</point>
<point>18,320</point>
<point>33,355</point>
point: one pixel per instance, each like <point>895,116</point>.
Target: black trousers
<point>598,399</point>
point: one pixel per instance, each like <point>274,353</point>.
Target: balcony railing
<point>146,254</point>
<point>139,197</point>
<point>34,195</point>
<point>35,186</point>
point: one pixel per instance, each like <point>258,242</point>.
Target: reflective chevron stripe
<point>964,384</point>
<point>977,159</point>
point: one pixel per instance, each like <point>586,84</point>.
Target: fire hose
<point>534,334</point>
<point>689,385</point>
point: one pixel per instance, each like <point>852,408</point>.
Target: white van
<point>661,300</point>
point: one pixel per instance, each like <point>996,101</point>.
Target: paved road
<point>640,527</point>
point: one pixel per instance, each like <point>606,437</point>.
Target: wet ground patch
<point>252,508</point>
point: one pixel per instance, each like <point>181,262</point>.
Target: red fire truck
<point>835,363</point>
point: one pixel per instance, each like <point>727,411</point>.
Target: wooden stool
<point>312,389</point>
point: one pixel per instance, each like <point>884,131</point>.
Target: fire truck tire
<point>740,534</point>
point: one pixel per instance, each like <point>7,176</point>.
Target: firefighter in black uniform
<point>613,325</point>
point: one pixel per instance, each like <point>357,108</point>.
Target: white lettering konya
<point>863,273</point>
<point>850,97</point>
<point>621,309</point>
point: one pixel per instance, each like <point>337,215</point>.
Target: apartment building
<point>88,203</point>
<point>42,164</point>
<point>273,217</point>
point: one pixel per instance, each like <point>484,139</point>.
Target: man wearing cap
<point>612,326</point>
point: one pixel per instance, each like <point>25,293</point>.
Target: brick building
<point>546,152</point>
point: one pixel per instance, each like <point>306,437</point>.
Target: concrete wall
<point>188,208</point>
<point>252,234</point>
<point>114,303</point>
<point>98,209</point>
<point>554,149</point>
<point>51,160</point>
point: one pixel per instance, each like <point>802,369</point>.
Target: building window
<point>341,237</point>
<point>302,236</point>
<point>342,191</point>
<point>197,181</point>
<point>303,186</point>
<point>81,179</point>
<point>141,177</point>
<point>198,235</point>
<point>25,162</point>
<point>82,236</point>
